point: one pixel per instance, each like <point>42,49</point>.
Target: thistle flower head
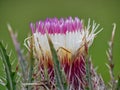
<point>69,37</point>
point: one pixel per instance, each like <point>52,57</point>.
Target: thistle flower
<point>70,38</point>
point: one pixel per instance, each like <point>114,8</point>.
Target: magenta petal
<point>32,26</point>
<point>53,25</point>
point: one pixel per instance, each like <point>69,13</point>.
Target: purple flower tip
<point>55,25</point>
<point>32,27</point>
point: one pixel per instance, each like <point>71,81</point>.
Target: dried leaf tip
<point>113,32</point>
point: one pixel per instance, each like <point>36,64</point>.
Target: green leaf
<point>118,84</point>
<point>31,65</point>
<point>11,84</point>
<point>57,69</point>
<point>88,74</point>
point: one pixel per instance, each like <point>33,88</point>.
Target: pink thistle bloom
<point>68,36</point>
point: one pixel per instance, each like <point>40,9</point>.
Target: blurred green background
<point>19,13</point>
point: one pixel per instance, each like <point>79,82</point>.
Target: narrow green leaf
<point>11,84</point>
<point>88,68</point>
<point>31,64</point>
<point>118,84</point>
<point>88,74</point>
<point>57,69</point>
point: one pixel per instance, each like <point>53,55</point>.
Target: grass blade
<point>31,64</point>
<point>110,58</point>
<point>18,50</point>
<point>88,74</point>
<point>118,84</point>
